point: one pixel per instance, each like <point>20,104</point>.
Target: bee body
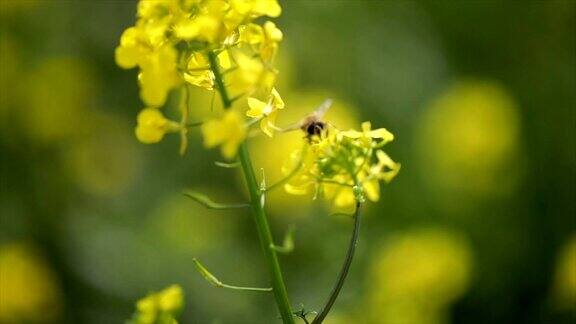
<point>312,125</point>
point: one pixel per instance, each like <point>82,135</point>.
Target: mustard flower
<point>267,111</point>
<point>264,38</point>
<point>199,72</point>
<point>152,126</point>
<point>269,8</point>
<point>229,131</point>
<point>344,166</point>
<point>171,41</point>
<point>251,74</point>
<point>160,307</point>
<point>367,134</point>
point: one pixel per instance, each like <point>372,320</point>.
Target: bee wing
<point>293,127</point>
<point>323,108</point>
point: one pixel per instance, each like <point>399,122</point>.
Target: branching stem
<point>345,268</point>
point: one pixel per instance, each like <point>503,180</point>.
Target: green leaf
<point>209,203</point>
<point>227,165</point>
<point>217,283</point>
<point>288,244</point>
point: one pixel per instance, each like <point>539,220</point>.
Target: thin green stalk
<point>265,236</point>
<point>264,233</point>
<point>345,268</point>
<point>226,101</point>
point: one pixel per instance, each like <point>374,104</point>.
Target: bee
<point>313,124</point>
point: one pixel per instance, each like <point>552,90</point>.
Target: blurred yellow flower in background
<point>161,307</point>
<point>106,160</point>
<point>564,289</point>
<point>417,276</point>
<point>29,291</point>
<point>469,138</point>
<point>57,110</point>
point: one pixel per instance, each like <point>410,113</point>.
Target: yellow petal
<point>269,8</point>
<point>276,99</point>
<point>272,32</point>
<point>388,176</point>
<point>149,135</point>
<point>296,190</point>
<point>127,57</point>
<point>224,60</point>
<point>350,133</point>
<point>171,299</point>
<point>344,198</point>
<point>186,29</point>
<point>366,126</point>
<point>267,124</point>
<point>372,190</point>
<point>257,107</point>
<point>229,149</point>
<point>252,34</point>
<point>212,132</point>
<point>381,133</point>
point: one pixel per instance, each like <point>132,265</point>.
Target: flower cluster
<point>161,307</point>
<point>345,166</point>
<point>208,44</point>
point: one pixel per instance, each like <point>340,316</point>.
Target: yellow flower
<point>417,275</point>
<point>130,52</point>
<point>257,8</point>
<point>265,38</point>
<point>199,73</point>
<point>160,307</point>
<point>269,46</point>
<point>171,299</point>
<point>152,126</point>
<point>29,291</point>
<point>346,166</point>
<point>368,133</point>
<point>204,28</point>
<point>228,131</point>
<point>385,169</point>
<point>251,33</point>
<point>273,34</point>
<point>304,181</point>
<point>159,75</point>
<point>564,286</point>
<point>250,74</point>
<point>267,111</point>
<point>138,42</point>
<point>170,41</point>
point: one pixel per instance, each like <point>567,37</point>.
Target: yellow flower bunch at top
<point>161,307</point>
<point>171,44</point>
<point>345,166</point>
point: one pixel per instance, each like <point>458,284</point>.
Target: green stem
<point>344,271</point>
<point>226,101</point>
<point>265,236</point>
<point>264,233</point>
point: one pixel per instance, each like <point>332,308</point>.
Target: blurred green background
<point>479,226</point>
